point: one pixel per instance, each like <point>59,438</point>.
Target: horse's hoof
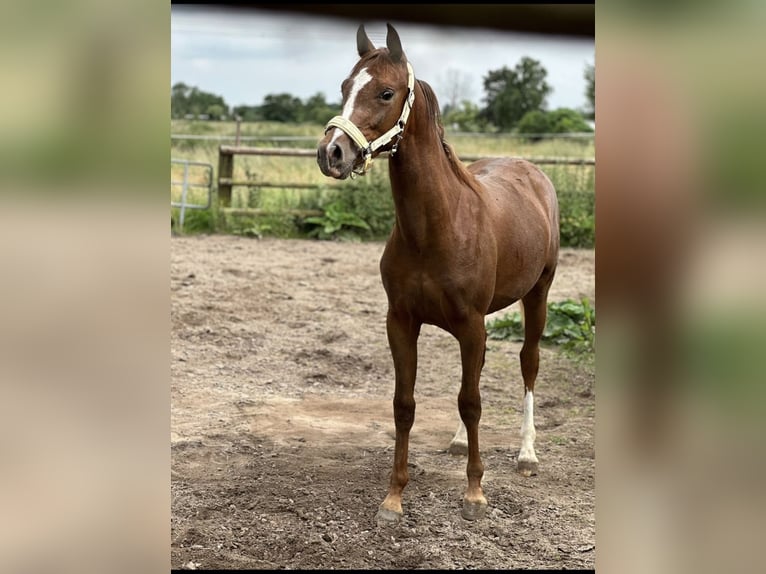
<point>386,517</point>
<point>526,467</point>
<point>473,510</point>
<point>458,448</point>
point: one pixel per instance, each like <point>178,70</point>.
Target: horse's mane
<point>432,107</point>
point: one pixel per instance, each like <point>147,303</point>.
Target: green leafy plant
<point>335,223</point>
<point>571,324</point>
<point>246,226</point>
<point>254,230</point>
<point>369,197</point>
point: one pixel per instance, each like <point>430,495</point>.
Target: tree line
<point>193,103</point>
<point>515,100</point>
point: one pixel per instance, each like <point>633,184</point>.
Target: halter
<point>368,148</point>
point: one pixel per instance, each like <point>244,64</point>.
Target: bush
<point>559,121</point>
<point>577,202</point>
<point>369,198</point>
<point>336,223</point>
<point>570,324</point>
<point>534,122</point>
<point>567,121</point>
<point>577,220</point>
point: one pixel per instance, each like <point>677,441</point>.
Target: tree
<point>281,108</point>
<point>317,110</point>
<point>247,113</point>
<point>215,112</point>
<point>512,93</point>
<point>178,97</point>
<point>191,100</point>
<point>590,90</point>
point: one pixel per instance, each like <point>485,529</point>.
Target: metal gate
<point>186,183</point>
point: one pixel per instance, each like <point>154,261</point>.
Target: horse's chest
<point>435,294</point>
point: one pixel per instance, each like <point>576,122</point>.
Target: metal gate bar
<point>185,185</point>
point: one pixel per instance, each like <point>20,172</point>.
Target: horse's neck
<point>424,187</point>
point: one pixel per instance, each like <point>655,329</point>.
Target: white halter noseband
<point>368,148</point>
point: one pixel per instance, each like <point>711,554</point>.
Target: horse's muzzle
<point>336,158</point>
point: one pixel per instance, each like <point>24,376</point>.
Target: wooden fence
<point>226,155</point>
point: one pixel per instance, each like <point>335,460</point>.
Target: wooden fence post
<point>225,173</point>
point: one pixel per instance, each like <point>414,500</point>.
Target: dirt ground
<point>282,422</point>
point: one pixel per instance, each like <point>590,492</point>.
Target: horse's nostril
<point>336,152</point>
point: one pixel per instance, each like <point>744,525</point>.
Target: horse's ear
<point>363,44</point>
<point>394,44</point>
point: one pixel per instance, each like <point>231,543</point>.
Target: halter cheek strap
<point>369,148</point>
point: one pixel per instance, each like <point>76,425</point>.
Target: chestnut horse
<point>467,241</point>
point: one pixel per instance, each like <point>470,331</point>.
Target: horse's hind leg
<point>535,313</point>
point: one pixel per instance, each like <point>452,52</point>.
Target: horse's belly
<point>500,302</point>
<point>514,281</point>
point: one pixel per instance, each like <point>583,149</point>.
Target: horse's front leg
<point>473,339</point>
<point>403,334</point>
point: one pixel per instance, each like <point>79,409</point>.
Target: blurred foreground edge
<point>561,19</point>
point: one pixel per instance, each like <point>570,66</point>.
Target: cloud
<point>252,55</point>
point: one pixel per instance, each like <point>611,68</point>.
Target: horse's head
<point>377,99</point>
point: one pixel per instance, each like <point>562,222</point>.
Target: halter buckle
<point>395,147</point>
<point>367,155</point>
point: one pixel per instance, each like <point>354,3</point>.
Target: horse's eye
<point>386,95</point>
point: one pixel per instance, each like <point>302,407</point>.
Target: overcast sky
<point>245,56</point>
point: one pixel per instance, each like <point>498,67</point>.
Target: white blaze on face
<point>360,81</point>
<point>527,451</point>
